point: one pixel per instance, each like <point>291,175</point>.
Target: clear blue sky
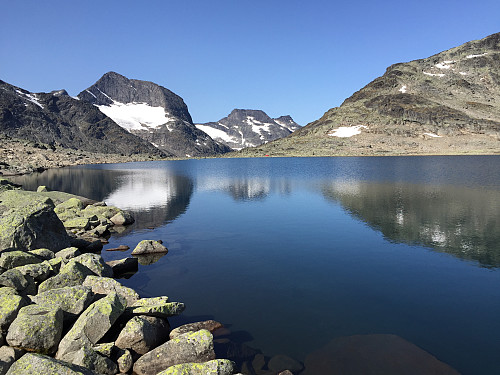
<point>284,57</point>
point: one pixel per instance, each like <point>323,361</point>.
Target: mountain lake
<point>292,253</point>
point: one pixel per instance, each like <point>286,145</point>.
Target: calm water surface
<point>292,253</point>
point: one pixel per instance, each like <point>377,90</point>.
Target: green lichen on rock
<point>72,204</point>
<point>189,347</point>
<point>68,253</point>
<point>71,300</point>
<point>26,216</point>
<point>95,263</point>
<point>149,247</point>
<point>93,360</point>
<point>44,254</point>
<point>100,211</point>
<point>124,361</point>
<point>213,367</point>
<point>12,259</point>
<point>107,285</point>
<point>71,274</point>
<point>81,223</point>
<point>143,333</point>
<point>10,304</point>
<point>15,279</point>
<point>38,364</point>
<point>39,271</point>
<point>91,326</point>
<point>160,309</point>
<point>36,329</point>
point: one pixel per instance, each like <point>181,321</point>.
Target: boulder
<point>286,372</point>
<point>39,271</point>
<point>71,274</point>
<point>147,259</point>
<point>209,325</point>
<point>10,304</point>
<point>71,300</point>
<point>123,267</point>
<point>106,285</point>
<point>38,364</point>
<point>92,360</point>
<point>143,333</point>
<point>106,349</point>
<point>79,223</point>
<point>122,218</point>
<point>68,253</point>
<point>95,263</point>
<point>44,254</point>
<point>213,367</point>
<point>12,259</point>
<point>36,329</point>
<point>91,326</point>
<point>30,222</point>
<point>157,306</point>
<point>87,245</point>
<point>149,247</point>
<point>15,279</point>
<point>100,211</point>
<point>8,356</point>
<point>72,204</point>
<point>125,361</point>
<point>189,347</point>
<point>282,362</point>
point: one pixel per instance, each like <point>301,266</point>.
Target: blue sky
<point>284,57</point>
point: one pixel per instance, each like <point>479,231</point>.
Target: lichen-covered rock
<point>71,274</point>
<point>8,356</point>
<point>149,247</point>
<point>12,259</point>
<point>124,361</point>
<point>36,329</point>
<point>38,271</point>
<point>72,204</point>
<point>147,259</point>
<point>123,267</point>
<point>44,254</point>
<point>29,215</point>
<point>89,358</point>
<point>81,223</point>
<point>190,347</point>
<point>95,263</point>
<point>71,300</point>
<point>38,364</point>
<point>122,218</point>
<point>68,253</point>
<point>106,349</point>
<point>157,306</point>
<point>143,333</point>
<point>209,325</point>
<point>15,279</point>
<point>100,211</point>
<point>10,304</point>
<point>106,285</point>
<point>213,367</point>
<point>91,326</point>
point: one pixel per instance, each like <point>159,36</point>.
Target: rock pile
<point>63,312</point>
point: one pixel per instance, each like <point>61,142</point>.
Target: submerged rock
<point>282,362</point>
<point>190,347</point>
<point>374,354</point>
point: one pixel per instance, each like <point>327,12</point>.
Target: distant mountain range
<point>448,103</point>
<point>56,119</point>
<point>151,112</point>
<point>248,128</point>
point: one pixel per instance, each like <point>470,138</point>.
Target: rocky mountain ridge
<point>58,120</point>
<point>249,128</point>
<point>448,103</point>
<point>151,112</point>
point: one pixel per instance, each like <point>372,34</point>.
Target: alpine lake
<point>292,253</point>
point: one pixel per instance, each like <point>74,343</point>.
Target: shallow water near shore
<point>291,253</point>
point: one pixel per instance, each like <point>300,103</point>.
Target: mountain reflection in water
<point>457,220</point>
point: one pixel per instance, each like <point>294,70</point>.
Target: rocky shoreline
<point>63,310</point>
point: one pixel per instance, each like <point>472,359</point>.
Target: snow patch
<point>463,73</point>
<point>136,116</point>
<point>217,133</point>
<point>31,97</point>
<point>433,135</point>
<point>434,74</point>
<point>91,94</point>
<point>403,89</point>
<point>444,65</point>
<point>347,131</point>
<point>474,56</point>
